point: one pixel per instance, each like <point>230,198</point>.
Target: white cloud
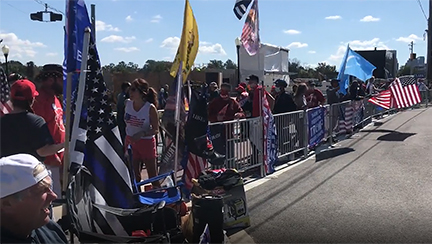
<point>312,52</point>
<point>297,45</point>
<point>51,54</point>
<point>127,49</point>
<point>408,39</point>
<point>156,19</point>
<point>19,48</point>
<point>148,40</point>
<point>291,32</point>
<point>335,59</point>
<point>369,18</point>
<point>333,17</point>
<point>115,38</point>
<point>129,18</point>
<point>212,49</point>
<point>102,26</point>
<point>172,43</point>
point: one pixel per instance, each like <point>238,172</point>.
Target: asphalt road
<point>374,187</point>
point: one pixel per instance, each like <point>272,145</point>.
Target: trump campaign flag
<point>77,20</point>
<point>270,136</point>
<point>250,34</point>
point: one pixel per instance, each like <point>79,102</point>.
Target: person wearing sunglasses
<point>142,126</point>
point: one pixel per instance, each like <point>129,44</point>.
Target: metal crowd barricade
<point>290,128</point>
<point>425,97</point>
<point>241,141</point>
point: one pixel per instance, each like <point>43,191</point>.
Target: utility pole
<point>429,46</point>
<point>411,47</point>
<point>93,21</point>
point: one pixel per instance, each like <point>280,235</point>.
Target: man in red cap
<point>48,106</point>
<point>21,130</point>
<point>256,90</point>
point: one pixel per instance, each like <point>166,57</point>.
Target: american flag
<point>194,164</point>
<point>405,91</point>
<point>133,120</point>
<point>240,7</point>
<point>5,104</point>
<point>250,33</point>
<point>383,99</point>
<point>96,143</point>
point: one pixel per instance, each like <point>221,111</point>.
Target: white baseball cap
<point>16,173</point>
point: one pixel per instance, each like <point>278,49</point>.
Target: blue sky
<point>138,30</point>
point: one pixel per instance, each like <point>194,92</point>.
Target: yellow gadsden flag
<point>189,43</point>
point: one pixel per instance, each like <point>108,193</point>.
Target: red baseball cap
<point>23,90</point>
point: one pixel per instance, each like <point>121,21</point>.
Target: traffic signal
<point>37,16</point>
<point>55,17</point>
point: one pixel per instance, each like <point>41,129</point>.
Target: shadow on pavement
<point>395,136</point>
<point>391,135</point>
<point>331,153</point>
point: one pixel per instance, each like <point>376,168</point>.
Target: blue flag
<point>354,64</point>
<point>77,20</point>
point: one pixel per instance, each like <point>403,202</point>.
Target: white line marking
<point>278,171</point>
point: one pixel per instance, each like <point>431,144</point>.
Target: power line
<point>421,7</point>
<point>48,6</point>
<point>16,8</point>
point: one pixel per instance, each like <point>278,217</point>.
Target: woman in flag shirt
<point>142,125</point>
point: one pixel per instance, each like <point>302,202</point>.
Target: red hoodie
<point>49,107</point>
<point>256,106</point>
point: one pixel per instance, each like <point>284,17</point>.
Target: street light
<point>238,44</point>
<point>5,50</point>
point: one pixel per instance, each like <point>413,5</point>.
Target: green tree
<point>215,64</point>
<point>404,70</point>
<point>109,67</point>
<point>229,64</point>
<point>156,66</point>
<point>326,71</point>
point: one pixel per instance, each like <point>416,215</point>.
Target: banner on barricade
<point>316,125</point>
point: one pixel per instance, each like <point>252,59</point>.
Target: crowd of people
<point>31,158</point>
<point>33,135</point>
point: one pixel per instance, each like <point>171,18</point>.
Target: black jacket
<point>284,103</point>
<point>49,233</point>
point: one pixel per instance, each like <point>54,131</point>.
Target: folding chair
<point>157,218</point>
<point>167,194</point>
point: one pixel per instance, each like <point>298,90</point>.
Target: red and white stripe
<point>195,166</point>
<point>405,96</point>
<point>383,99</point>
<point>5,108</point>
<point>246,31</point>
<point>346,126</point>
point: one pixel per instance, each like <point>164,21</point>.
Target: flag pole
<point>261,104</point>
<point>177,119</point>
<point>81,84</point>
<point>69,138</point>
<point>66,158</point>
